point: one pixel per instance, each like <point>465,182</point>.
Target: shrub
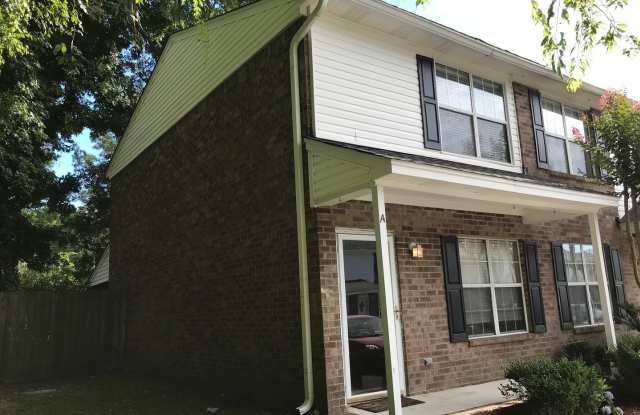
<point>628,364</point>
<point>555,387</point>
<point>630,316</point>
<point>593,355</point>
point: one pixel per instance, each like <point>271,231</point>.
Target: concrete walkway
<point>450,401</point>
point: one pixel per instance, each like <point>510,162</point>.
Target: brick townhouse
<point>317,203</point>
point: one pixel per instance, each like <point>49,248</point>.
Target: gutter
<point>303,268</point>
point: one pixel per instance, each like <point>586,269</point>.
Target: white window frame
<point>585,284</point>
<point>474,116</point>
<point>566,139</point>
<point>492,285</point>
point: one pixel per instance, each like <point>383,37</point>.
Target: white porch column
<point>603,285</point>
<point>386,300</point>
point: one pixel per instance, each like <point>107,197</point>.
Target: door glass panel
<point>366,340</point>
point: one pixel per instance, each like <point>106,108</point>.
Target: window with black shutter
<point>485,293</point>
<point>462,113</point>
<point>558,131</point>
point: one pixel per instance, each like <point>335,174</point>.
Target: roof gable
<point>194,62</point>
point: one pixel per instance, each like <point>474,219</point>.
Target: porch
<point>402,198</point>
<point>451,401</point>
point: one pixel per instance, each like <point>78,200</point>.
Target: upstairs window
<point>472,115</point>
<point>563,128</point>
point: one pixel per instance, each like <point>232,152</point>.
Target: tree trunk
<point>631,218</point>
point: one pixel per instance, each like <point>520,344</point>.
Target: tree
<point>616,152</point>
<point>67,65</point>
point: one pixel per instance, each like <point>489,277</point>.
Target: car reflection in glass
<point>366,350</point>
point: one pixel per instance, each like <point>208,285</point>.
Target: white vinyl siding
<point>366,91</point>
<point>101,272</point>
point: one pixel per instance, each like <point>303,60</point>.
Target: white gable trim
<point>193,64</point>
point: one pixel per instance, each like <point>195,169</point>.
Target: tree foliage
<point>617,153</point>
<point>67,66</point>
<point>573,28</point>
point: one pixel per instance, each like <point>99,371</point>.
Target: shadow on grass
<point>113,394</point>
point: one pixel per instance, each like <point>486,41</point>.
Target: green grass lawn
<point>111,394</point>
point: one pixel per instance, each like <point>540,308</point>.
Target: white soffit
<point>194,62</point>
<point>338,174</point>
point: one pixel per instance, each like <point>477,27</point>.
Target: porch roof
<point>340,172</point>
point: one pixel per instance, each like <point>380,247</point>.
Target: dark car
<point>366,353</point>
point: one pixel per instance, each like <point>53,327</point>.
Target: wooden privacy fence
<point>50,334</point>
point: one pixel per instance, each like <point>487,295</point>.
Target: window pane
<point>510,309</point>
<point>596,305</point>
<point>589,265</point>
<point>457,133</point>
<point>573,262</point>
<point>473,260</point>
<point>557,154</point>
<point>493,140</point>
<point>579,308</point>
<point>453,88</point>
<point>575,126</point>
<point>489,98</point>
<point>478,311</point>
<point>552,116</point>
<point>578,159</point>
<point>503,262</point>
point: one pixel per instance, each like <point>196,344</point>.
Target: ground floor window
<point>492,287</point>
<point>584,294</point>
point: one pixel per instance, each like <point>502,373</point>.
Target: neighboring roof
<point>101,272</point>
<point>432,161</point>
<point>193,63</point>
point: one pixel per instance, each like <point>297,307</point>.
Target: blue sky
<point>503,23</point>
<point>64,163</point>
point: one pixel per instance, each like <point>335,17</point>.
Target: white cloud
<point>508,24</point>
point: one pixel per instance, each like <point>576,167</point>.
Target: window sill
<point>501,339</point>
<point>589,329</point>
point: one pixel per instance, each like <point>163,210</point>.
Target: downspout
<point>303,268</point>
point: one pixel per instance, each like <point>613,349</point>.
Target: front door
<point>362,334</point>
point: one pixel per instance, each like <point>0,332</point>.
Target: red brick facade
<point>204,251</point>
<point>422,297</point>
<point>203,239</point>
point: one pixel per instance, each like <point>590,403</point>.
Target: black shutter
<point>453,288</point>
<point>538,128</point>
<point>615,277</point>
<point>428,100</point>
<point>564,306</point>
<point>535,291</point>
<point>592,169</point>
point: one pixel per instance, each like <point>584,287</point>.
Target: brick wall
<point>528,148</point>
<point>204,242</point>
<point>422,295</point>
